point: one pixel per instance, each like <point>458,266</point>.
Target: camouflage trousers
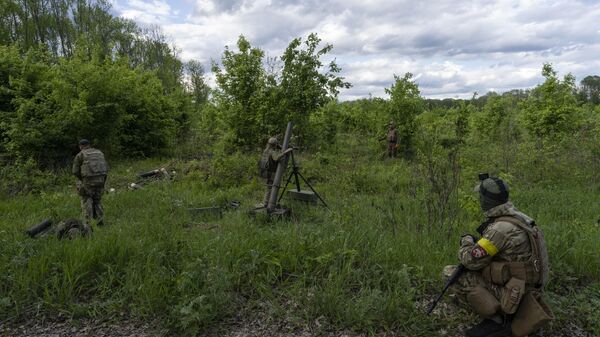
<point>392,148</point>
<point>269,187</point>
<point>467,283</point>
<point>91,202</point>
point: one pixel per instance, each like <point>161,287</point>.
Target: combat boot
<point>489,328</point>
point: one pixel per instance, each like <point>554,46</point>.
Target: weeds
<point>366,265</point>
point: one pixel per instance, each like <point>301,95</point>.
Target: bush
<point>49,105</point>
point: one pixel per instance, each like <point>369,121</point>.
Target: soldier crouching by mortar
<point>505,270</point>
<point>268,165</point>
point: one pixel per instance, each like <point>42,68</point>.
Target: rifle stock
<point>453,278</point>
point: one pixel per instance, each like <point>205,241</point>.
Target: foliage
<point>304,88</point>
<point>197,84</point>
<point>551,108</point>
<point>440,140</point>
<point>49,105</point>
<point>364,270</point>
<point>404,106</point>
<point>67,27</point>
<point>589,90</point>
<point>241,88</point>
<point>257,98</point>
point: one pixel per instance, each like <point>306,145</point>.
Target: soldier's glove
<point>467,239</point>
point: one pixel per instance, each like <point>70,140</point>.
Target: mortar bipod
<point>299,193</point>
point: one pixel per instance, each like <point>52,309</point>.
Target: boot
<point>489,328</point>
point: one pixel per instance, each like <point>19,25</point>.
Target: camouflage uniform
<point>511,242</point>
<point>392,138</point>
<point>89,187</point>
<point>72,228</point>
<point>504,242</point>
<point>273,156</point>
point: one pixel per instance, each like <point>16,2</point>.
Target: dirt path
<point>82,328</point>
<point>260,327</point>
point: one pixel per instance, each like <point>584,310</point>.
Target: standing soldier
<point>505,270</point>
<point>90,168</point>
<point>392,139</point>
<point>268,165</point>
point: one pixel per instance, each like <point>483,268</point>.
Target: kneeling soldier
<point>506,269</point>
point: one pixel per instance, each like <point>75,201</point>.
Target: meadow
<point>371,263</point>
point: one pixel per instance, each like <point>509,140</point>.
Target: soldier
<point>268,165</point>
<point>91,169</point>
<point>392,139</point>
<point>506,269</point>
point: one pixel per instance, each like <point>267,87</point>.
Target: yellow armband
<point>488,246</point>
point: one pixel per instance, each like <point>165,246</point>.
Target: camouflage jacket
<point>500,240</point>
<point>392,135</point>
<point>272,155</point>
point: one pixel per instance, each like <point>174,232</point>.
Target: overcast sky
<point>453,48</point>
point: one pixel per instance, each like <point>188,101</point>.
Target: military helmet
<point>273,141</point>
<point>493,192</point>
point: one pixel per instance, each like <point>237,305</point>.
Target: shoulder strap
<point>517,222</point>
<point>537,268</point>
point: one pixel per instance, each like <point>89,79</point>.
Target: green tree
<point>589,89</point>
<point>551,109</point>
<point>197,83</point>
<point>496,129</point>
<point>405,105</point>
<point>241,83</point>
<point>306,84</point>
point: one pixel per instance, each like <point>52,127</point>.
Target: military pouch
<point>496,273</point>
<point>533,314</point>
<point>483,302</point>
<point>513,293</point>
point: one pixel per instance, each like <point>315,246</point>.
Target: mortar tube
<point>281,167</point>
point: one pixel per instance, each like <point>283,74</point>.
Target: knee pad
<point>483,302</point>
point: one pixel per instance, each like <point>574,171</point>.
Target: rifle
<point>453,278</point>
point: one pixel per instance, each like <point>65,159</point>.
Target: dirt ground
<point>259,326</point>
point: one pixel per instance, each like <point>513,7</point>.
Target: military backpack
<point>94,164</point>
<point>537,268</point>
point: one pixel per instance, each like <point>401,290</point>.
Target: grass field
<point>368,264</point>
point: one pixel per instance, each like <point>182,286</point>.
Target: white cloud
<point>452,47</point>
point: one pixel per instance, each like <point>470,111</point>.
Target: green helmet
<point>273,141</point>
<point>492,192</point>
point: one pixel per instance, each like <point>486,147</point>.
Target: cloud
<point>452,47</point>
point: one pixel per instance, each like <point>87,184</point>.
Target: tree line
<point>69,69</point>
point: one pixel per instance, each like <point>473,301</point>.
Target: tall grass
<point>367,264</point>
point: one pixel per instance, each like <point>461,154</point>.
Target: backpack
<point>266,164</point>
<point>93,164</point>
<point>539,253</point>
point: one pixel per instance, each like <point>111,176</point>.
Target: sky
<point>453,48</point>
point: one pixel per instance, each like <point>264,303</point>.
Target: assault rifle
<point>453,278</point>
